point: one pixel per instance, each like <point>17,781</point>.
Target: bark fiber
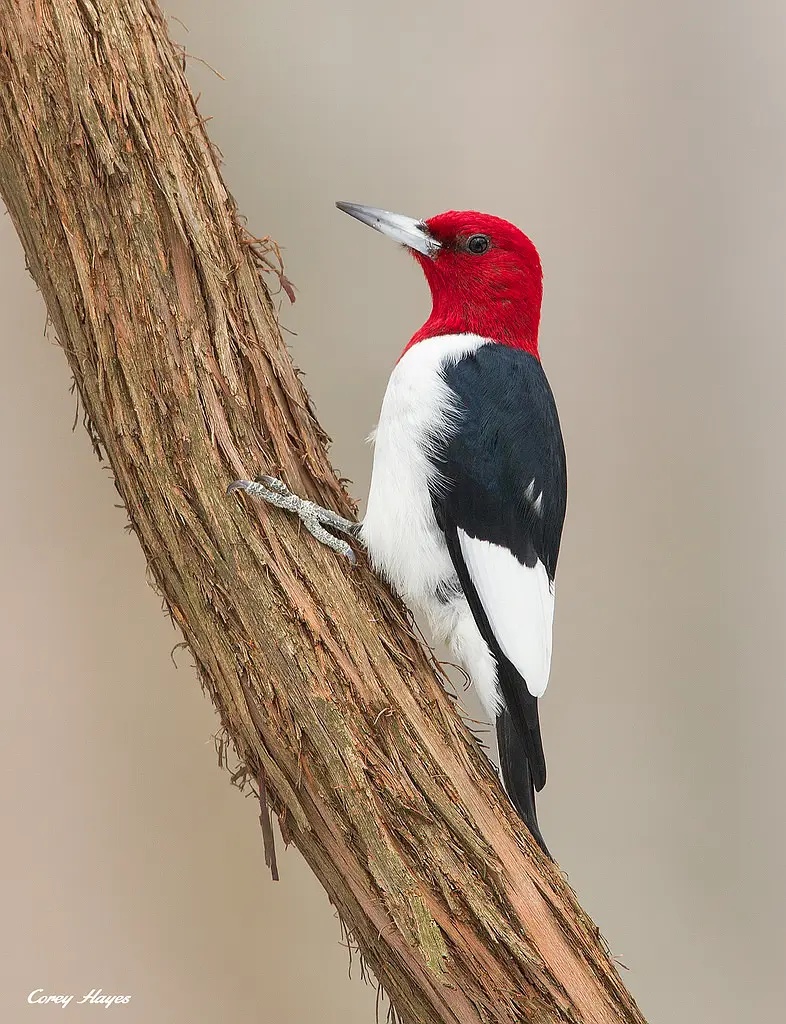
<point>325,692</point>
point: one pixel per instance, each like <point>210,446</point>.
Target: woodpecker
<point>469,484</point>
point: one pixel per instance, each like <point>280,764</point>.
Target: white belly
<point>400,531</point>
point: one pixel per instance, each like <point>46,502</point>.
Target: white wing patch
<point>519,604</point>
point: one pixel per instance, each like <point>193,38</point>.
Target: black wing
<point>504,481</point>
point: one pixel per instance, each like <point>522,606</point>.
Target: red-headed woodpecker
<point>469,485</point>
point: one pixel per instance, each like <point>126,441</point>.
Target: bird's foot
<point>312,516</point>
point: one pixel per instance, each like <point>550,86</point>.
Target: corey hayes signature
<point>95,996</point>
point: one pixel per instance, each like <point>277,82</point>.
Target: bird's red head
<point>485,278</point>
<point>485,275</point>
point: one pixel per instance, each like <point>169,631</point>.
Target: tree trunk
<point>321,685</point>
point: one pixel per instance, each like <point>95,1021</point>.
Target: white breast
<point>405,544</point>
<point>400,531</point>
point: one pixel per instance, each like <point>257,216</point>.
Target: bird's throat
<point>504,322</point>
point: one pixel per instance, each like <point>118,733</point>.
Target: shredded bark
<point>266,825</point>
<point>155,292</point>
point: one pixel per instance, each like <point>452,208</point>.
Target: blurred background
<point>643,148</point>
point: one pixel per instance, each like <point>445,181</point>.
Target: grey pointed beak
<point>406,230</point>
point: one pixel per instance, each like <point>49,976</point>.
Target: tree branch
<point>327,695</point>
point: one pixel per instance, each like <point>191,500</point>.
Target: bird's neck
<point>503,306</point>
<point>505,322</point>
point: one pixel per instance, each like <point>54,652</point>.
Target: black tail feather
<point>517,776</point>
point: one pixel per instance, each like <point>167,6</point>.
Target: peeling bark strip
<point>134,242</point>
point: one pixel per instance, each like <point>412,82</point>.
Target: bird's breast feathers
<point>419,412</point>
<point>436,469</point>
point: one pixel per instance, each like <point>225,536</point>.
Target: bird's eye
<point>478,244</point>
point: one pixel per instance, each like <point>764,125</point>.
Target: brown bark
<point>326,694</point>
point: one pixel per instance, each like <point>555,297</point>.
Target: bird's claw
<point>273,484</point>
<point>314,517</point>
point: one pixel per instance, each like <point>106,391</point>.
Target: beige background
<point>643,147</point>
